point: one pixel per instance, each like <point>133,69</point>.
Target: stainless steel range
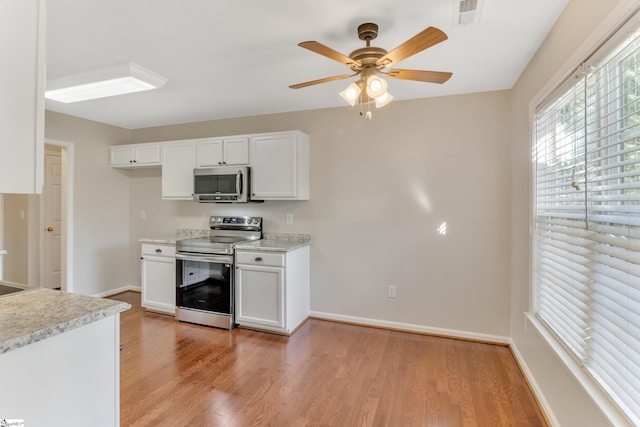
<point>205,271</point>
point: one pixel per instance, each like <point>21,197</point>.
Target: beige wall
<point>15,215</point>
<point>576,33</point>
<point>379,191</point>
<point>101,203</point>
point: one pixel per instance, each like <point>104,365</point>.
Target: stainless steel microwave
<point>222,184</point>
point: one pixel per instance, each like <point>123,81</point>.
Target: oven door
<point>204,289</point>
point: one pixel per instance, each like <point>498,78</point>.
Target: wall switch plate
<point>391,291</point>
<point>143,214</point>
<point>289,218</point>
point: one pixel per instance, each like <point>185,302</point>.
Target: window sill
<point>599,397</point>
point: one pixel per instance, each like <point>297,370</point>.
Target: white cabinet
<point>135,155</point>
<point>70,379</point>
<point>223,151</point>
<point>280,166</point>
<point>159,278</point>
<point>272,289</point>
<point>177,169</point>
<point>22,83</point>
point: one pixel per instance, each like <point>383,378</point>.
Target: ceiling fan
<point>369,63</point>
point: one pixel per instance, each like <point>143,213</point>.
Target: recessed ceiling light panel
<point>115,80</point>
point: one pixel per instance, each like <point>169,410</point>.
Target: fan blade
<point>329,53</point>
<point>421,41</point>
<point>315,82</point>
<point>421,76</point>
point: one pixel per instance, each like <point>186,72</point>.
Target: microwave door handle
<point>239,182</point>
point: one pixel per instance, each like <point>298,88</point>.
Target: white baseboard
<point>112,292</point>
<point>534,385</point>
<point>409,327</point>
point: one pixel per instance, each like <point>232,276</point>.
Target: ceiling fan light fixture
<point>376,86</point>
<point>383,99</point>
<point>351,93</point>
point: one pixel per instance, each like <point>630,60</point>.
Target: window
<point>586,262</point>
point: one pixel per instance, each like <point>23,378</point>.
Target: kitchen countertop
<point>35,314</point>
<point>271,242</point>
<point>275,242</point>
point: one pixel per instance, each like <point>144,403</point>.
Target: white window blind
<point>587,219</point>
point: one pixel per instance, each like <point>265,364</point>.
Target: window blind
<point>586,156</point>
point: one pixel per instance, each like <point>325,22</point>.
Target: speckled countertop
<point>270,242</point>
<point>35,314</point>
<point>276,242</point>
<point>183,233</point>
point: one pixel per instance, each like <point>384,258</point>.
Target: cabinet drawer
<point>159,250</point>
<point>260,258</point>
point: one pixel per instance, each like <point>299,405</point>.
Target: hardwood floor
<point>326,374</point>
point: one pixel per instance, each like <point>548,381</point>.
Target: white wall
<point>379,191</point>
<point>101,203</point>
<point>575,34</point>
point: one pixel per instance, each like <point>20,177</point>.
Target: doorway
<point>55,245</point>
<point>35,255</point>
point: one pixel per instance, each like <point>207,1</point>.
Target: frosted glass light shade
<point>351,94</point>
<point>376,86</point>
<point>383,99</point>
<point>118,79</point>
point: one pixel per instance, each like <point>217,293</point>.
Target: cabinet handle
<point>258,258</point>
<point>191,274</point>
<point>219,163</point>
<point>158,251</point>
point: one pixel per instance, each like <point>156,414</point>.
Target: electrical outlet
<point>391,291</point>
<point>289,218</point>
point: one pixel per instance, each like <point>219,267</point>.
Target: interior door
<point>53,220</point>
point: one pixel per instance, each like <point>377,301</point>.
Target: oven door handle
<point>205,258</point>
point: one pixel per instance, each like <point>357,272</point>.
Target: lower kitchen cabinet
<point>159,278</point>
<point>272,289</point>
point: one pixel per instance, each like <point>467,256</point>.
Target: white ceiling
<point>236,58</point>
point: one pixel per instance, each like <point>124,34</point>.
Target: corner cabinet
<point>22,84</point>
<point>159,278</point>
<point>280,166</point>
<point>177,169</point>
<point>272,289</point>
<point>135,155</point>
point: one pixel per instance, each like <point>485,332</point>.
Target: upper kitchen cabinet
<point>223,151</point>
<point>22,84</point>
<point>177,169</point>
<point>280,166</point>
<point>135,155</point>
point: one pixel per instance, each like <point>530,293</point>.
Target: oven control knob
<point>218,219</point>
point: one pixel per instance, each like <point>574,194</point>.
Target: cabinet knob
<point>158,251</point>
<point>191,274</point>
<point>49,229</point>
<point>258,259</point>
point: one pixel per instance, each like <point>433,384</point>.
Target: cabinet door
<point>122,155</point>
<point>273,167</point>
<point>147,154</point>
<point>158,284</point>
<point>260,296</point>
<point>22,83</point>
<point>177,170</point>
<point>209,152</point>
<point>236,151</point>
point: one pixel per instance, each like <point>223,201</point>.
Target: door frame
<point>66,250</point>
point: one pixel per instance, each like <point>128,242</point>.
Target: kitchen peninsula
<point>59,358</point>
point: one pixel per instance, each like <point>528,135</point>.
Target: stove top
<point>225,232</point>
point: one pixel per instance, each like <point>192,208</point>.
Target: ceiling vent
<point>467,11</point>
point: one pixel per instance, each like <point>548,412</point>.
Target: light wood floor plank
<point>326,374</point>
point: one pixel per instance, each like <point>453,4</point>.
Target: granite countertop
<point>273,242</point>
<point>35,314</point>
<point>183,233</point>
